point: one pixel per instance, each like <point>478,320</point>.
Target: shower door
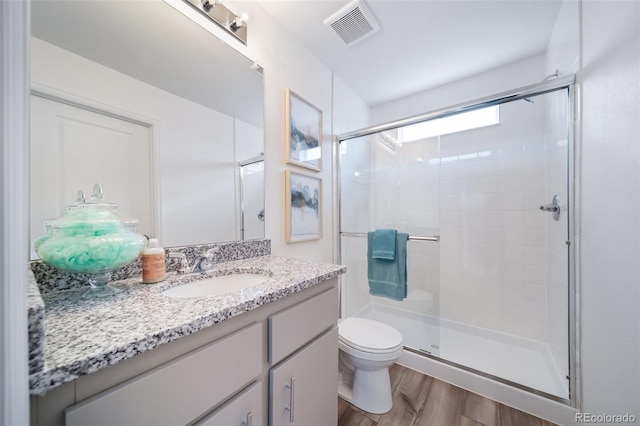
<point>504,226</point>
<point>385,184</point>
<point>493,295</point>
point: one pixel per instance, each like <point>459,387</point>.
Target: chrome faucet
<point>184,264</point>
<point>203,263</point>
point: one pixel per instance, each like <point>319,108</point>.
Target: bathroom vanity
<point>261,355</point>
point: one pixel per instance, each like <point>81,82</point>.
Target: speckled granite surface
<point>35,314</point>
<point>83,336</point>
<point>50,279</point>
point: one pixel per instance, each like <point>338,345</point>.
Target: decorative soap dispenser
<point>153,263</point>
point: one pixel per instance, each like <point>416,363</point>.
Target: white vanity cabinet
<point>302,387</point>
<point>222,375</point>
<point>303,343</point>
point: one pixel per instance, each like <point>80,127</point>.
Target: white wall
<point>288,65</point>
<point>505,78</point>
<point>350,112</point>
<point>610,207</point>
<point>563,50</point>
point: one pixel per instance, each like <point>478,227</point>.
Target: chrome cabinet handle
<point>553,207</point>
<point>290,408</point>
<point>249,420</point>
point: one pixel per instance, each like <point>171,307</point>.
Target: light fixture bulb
<point>236,24</point>
<point>207,5</point>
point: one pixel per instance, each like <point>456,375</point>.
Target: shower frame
<point>548,85</point>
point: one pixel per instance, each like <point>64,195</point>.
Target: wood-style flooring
<point>420,400</point>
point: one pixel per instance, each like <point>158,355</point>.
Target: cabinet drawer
<point>243,410</point>
<point>292,328</point>
<point>179,391</point>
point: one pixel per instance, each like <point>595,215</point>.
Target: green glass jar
<point>90,238</point>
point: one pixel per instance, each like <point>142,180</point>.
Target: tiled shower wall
<point>479,190</point>
<point>492,247</point>
<point>405,197</point>
<point>355,216</point>
<point>400,191</point>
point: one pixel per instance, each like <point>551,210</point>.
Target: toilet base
<point>371,391</point>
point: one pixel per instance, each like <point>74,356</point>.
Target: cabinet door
<point>304,388</point>
<point>243,410</point>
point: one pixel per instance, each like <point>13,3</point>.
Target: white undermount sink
<point>216,285</point>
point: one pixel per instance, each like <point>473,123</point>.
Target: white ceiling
<point>422,43</point>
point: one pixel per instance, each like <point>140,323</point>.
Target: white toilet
<point>367,349</point>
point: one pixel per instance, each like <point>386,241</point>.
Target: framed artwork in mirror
<point>303,133</point>
<point>303,210</point>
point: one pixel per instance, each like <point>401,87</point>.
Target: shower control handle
<point>553,207</point>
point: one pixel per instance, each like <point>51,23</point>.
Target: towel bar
<point>435,238</point>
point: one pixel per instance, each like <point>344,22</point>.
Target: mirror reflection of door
<point>252,200</point>
<point>73,148</point>
<point>202,98</point>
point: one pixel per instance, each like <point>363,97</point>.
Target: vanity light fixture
<point>223,17</point>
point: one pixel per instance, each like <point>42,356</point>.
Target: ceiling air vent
<point>352,23</point>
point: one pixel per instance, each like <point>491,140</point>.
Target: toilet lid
<point>368,335</point>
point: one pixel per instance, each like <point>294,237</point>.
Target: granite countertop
<point>83,336</point>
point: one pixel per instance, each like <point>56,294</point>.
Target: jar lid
<point>90,237</point>
<point>89,217</point>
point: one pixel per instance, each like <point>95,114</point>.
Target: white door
<point>73,148</point>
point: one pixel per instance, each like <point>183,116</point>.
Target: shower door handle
<point>553,207</point>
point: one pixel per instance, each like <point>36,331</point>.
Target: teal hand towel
<point>384,244</point>
<point>388,278</point>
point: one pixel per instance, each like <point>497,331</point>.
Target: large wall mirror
<point>165,116</point>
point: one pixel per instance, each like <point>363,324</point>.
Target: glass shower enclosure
<point>488,205</point>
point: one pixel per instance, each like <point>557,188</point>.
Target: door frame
<point>125,115</point>
<point>15,38</point>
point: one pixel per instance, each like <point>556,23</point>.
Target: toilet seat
<point>369,336</point>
